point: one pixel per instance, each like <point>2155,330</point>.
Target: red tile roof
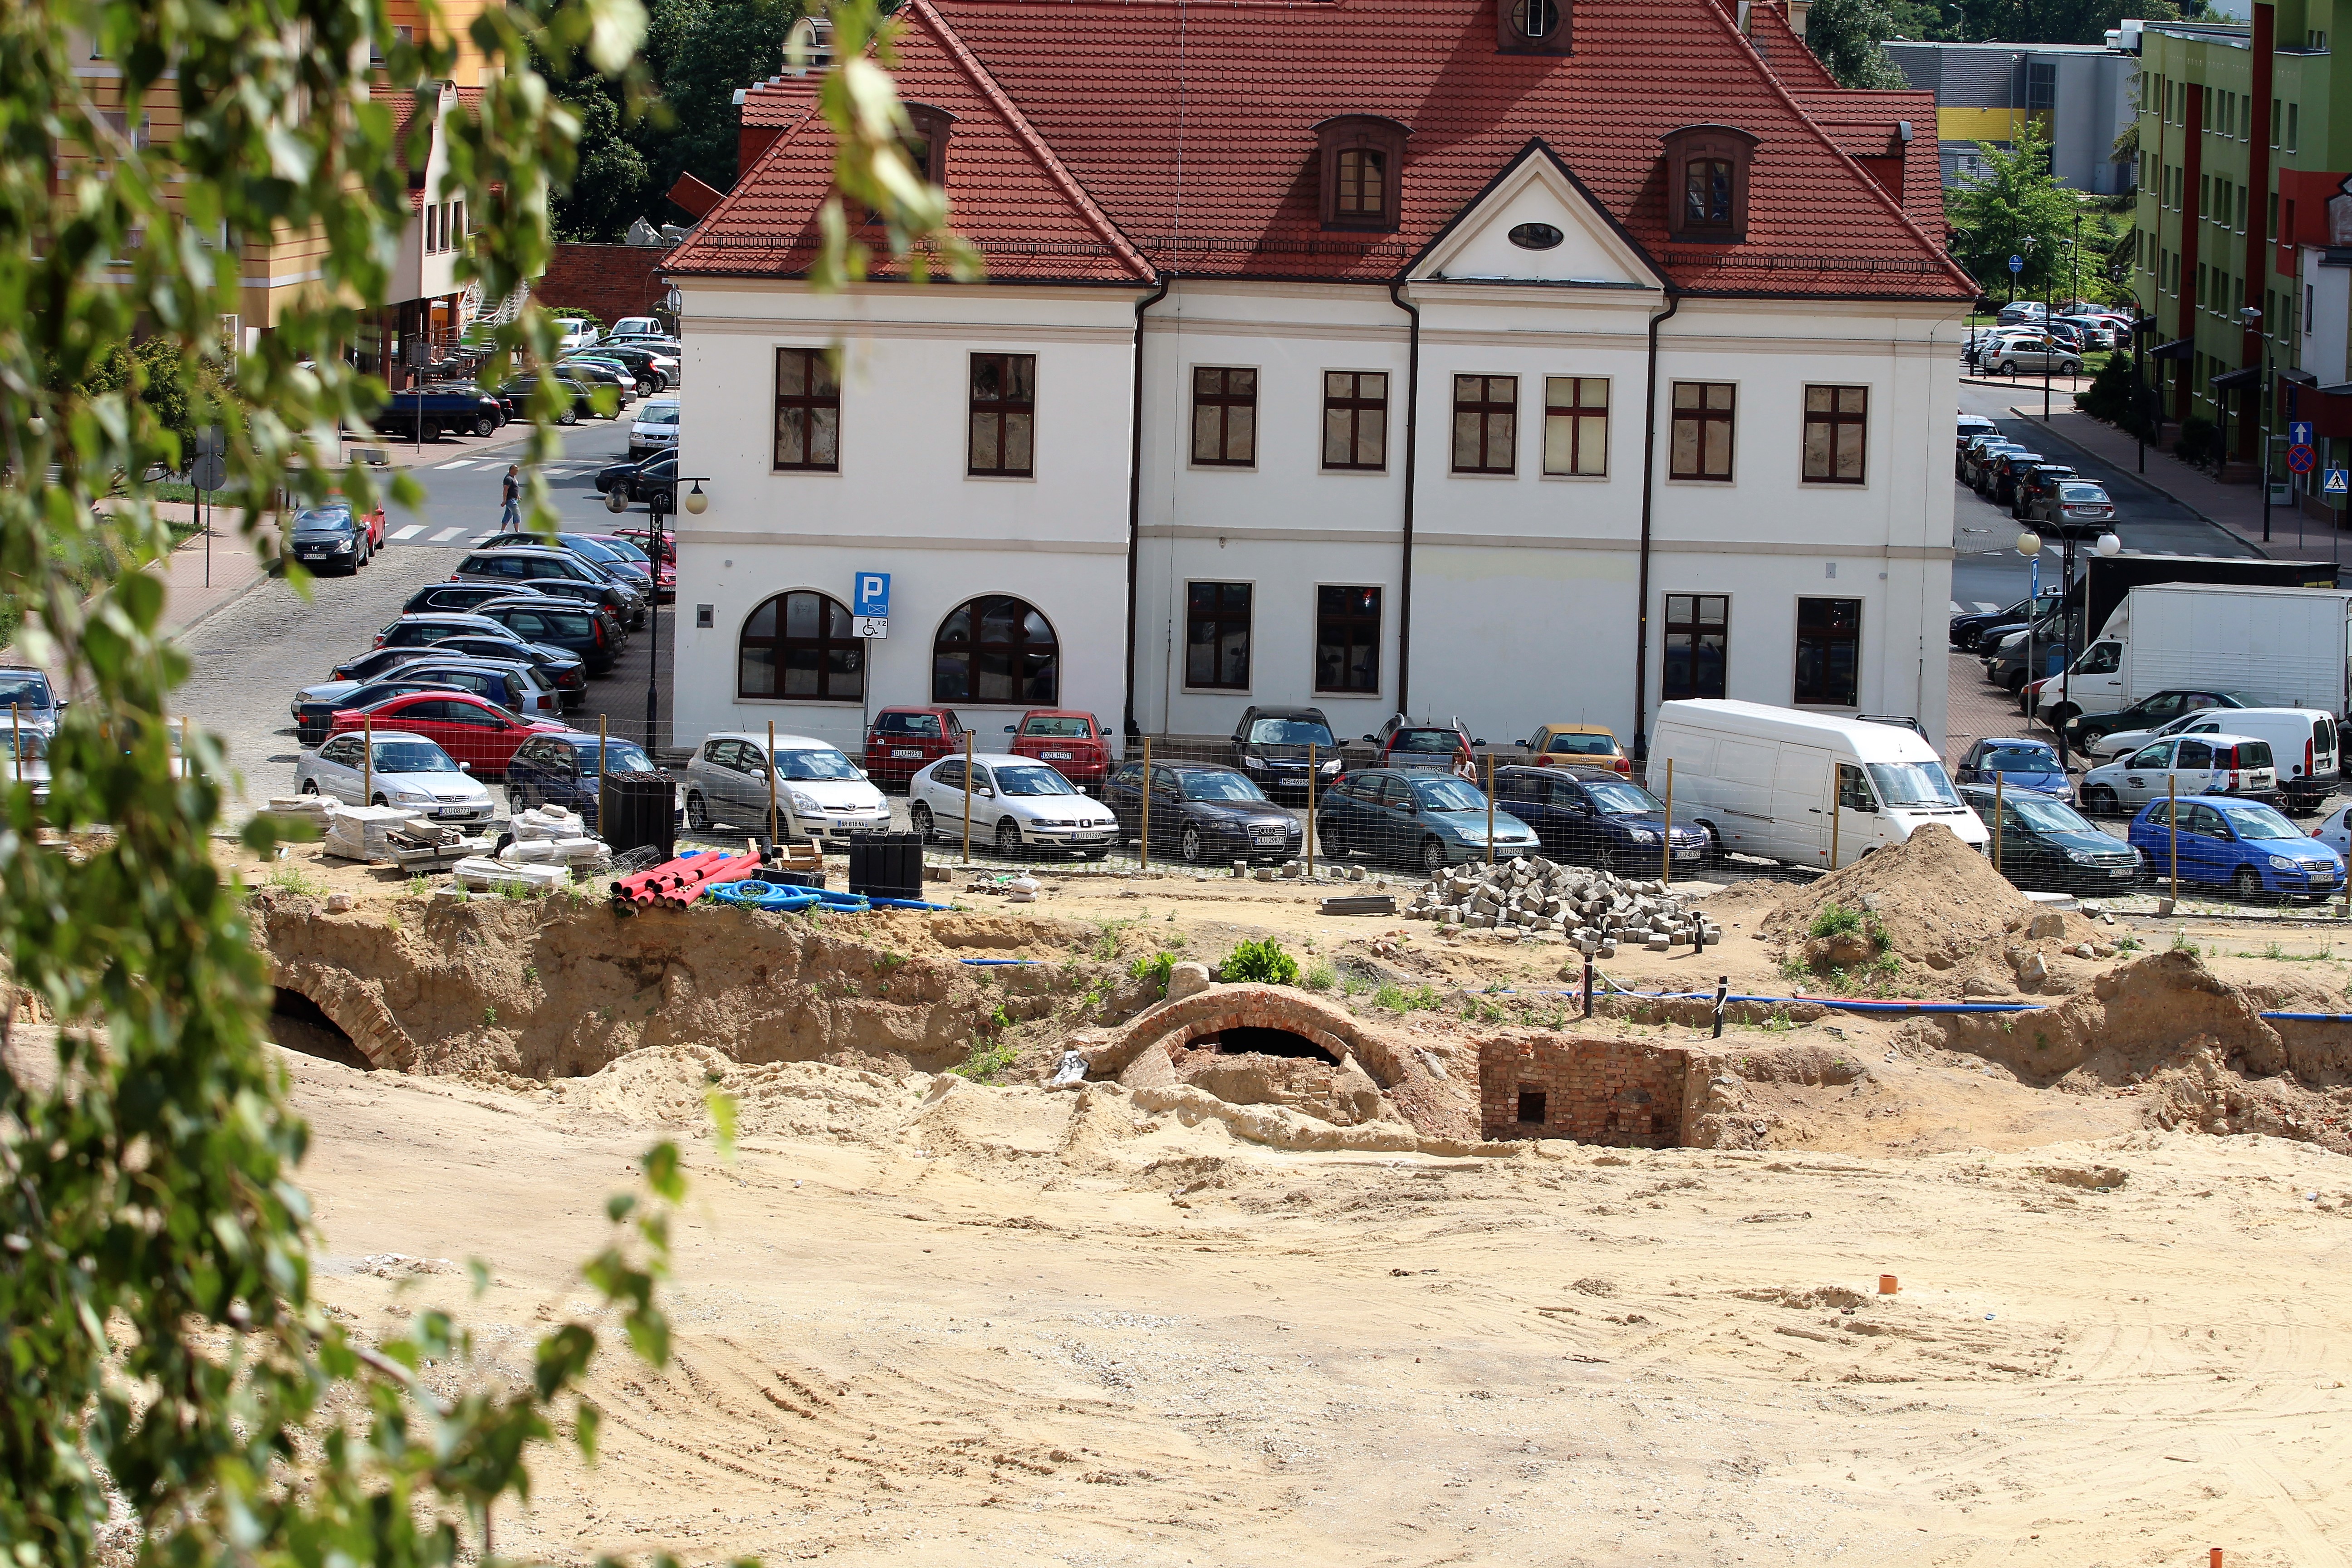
<point>1097,140</point>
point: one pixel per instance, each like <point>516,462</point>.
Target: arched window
<point>1707,169</point>
<point>799,646</point>
<point>996,648</point>
<point>1359,162</point>
<point>1706,193</point>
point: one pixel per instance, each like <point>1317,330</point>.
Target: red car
<point>372,519</point>
<point>1426,746</point>
<point>665,570</point>
<point>476,731</point>
<point>902,742</point>
<point>1066,740</point>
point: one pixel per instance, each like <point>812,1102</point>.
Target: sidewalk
<point>2238,508</point>
<point>190,593</point>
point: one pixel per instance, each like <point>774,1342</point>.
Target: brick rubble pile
<point>1591,910</point>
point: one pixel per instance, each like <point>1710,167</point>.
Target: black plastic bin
<point>793,878</point>
<point>886,865</point>
<point>641,808</point>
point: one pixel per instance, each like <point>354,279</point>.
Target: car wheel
<point>2015,684</point>
<point>2062,715</point>
<point>645,388</point>
<point>1008,838</point>
<point>2100,801</point>
<point>698,813</point>
<point>1433,856</point>
<point>2007,367</point>
<point>380,800</point>
<point>2070,367</point>
<point>918,818</point>
<point>484,424</point>
<point>2247,884</point>
<point>1331,848</point>
<point>569,417</point>
<point>1193,848</point>
<point>309,786</point>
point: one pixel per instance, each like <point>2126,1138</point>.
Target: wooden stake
<point>1666,848</point>
<point>367,759</point>
<point>967,798</point>
<point>603,766</point>
<point>1143,835</point>
<point>772,786</point>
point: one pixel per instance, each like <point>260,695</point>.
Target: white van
<point>1783,785</point>
<point>2303,746</point>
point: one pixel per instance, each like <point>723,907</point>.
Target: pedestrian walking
<point>511,516</point>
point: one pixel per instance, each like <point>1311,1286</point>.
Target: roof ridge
<point>1885,197</point>
<point>1030,137</point>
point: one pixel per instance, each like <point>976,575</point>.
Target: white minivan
<point>1786,785</point>
<point>2304,743</point>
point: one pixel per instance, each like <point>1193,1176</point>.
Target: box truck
<point>2278,646</point>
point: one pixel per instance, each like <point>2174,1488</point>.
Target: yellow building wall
<point>1982,124</point>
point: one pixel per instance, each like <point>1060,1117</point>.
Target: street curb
<point>2188,506</point>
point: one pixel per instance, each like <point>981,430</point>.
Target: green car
<point>2148,713</point>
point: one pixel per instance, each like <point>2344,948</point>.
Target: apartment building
<point>2080,96</point>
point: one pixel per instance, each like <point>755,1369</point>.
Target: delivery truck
<point>2275,646</point>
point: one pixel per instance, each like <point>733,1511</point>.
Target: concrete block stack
<point>1593,910</point>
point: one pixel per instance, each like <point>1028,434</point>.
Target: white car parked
<point>654,429</point>
<point>2336,831</point>
<point>1017,802</point>
<point>819,794</point>
<point>24,756</point>
<point>405,770</point>
<point>2184,765</point>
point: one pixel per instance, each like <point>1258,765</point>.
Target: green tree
<point>614,187</point>
<point>699,53</point>
<point>2064,21</point>
<point>2015,208</point>
<point>1846,34</point>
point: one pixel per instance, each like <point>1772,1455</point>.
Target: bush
<point>1155,969</point>
<point>1835,920</point>
<point>2199,443</point>
<point>2116,395</point>
<point>1261,962</point>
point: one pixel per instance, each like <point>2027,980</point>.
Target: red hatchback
<point>902,742</point>
<point>1068,742</point>
<point>477,733</point>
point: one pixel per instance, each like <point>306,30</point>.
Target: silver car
<point>404,769</point>
<point>2029,352</point>
<point>1016,803</point>
<point>819,794</point>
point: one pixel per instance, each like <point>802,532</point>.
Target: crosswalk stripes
<point>460,463</point>
<point>446,535</point>
<point>1955,606</point>
<point>410,532</point>
<point>1985,608</point>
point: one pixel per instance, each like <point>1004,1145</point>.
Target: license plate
<point>2121,871</point>
<point>1055,756</point>
<point>314,556</point>
<point>1090,836</point>
<point>454,811</point>
<point>1267,835</point>
<point>895,753</point>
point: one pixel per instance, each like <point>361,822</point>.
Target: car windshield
<point>1289,732</point>
<point>1582,746</point>
<point>1031,781</point>
<point>2050,815</point>
<point>412,757</point>
<point>29,744</point>
<point>24,690</point>
<point>1426,740</point>
<point>2260,822</point>
<point>1913,784</point>
<point>2091,494</point>
<point>1070,728</point>
<point>2020,760</point>
<point>324,519</point>
<point>658,414</point>
<point>1448,795</point>
<point>812,763</point>
<point>1617,798</point>
<point>594,549</point>
<point>1219,787</point>
<point>621,756</point>
<point>623,549</point>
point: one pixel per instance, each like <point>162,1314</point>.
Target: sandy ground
<point>1004,1325</point>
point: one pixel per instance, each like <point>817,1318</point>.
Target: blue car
<point>1433,820</point>
<point>563,770</point>
<point>1596,818</point>
<point>2020,764</point>
<point>2242,843</point>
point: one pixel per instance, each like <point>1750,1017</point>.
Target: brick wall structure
<point>1614,1092</point>
<point>611,280</point>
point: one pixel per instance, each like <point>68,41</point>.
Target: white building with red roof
<point>1526,361</point>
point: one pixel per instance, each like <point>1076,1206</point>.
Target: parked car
<point>377,664</point>
<point>633,326</point>
<point>2336,831</point>
<point>633,571</point>
<point>819,794</point>
<point>1965,629</point>
<point>2095,332</point>
<point>423,631</point>
<point>1271,744</point>
<point>1066,740</point>
<point>664,573</point>
<point>2072,503</point>
<point>1405,745</point>
<point>1975,455</point>
<point>1204,813</point>
<point>30,699</point>
<point>2186,765</point>
<point>2045,843</point>
<point>548,570</point>
<point>902,742</point>
<point>1577,746</point>
<point>2020,764</point>
<point>2012,355</point>
<point>640,478</point>
<point>578,334</point>
<point>1974,425</point>
<point>2241,843</point>
<point>2000,475</point>
<point>522,388</point>
<point>592,373</point>
<point>328,538</point>
<point>2034,481</point>
<point>654,429</point>
<point>1592,817</point>
<point>567,770</point>
<point>25,757</point>
<point>560,668</point>
<point>314,706</point>
<point>512,681</point>
<point>2304,742</point>
<point>1016,804</point>
<point>2084,731</point>
<point>477,733</point>
<point>402,769</point>
<point>459,598</point>
<point>1426,819</point>
<point>661,545</point>
<point>428,412</point>
<point>586,630</point>
<point>646,366</point>
<point>2005,666</point>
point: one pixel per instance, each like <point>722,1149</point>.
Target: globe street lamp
<point>2028,544</point>
<point>2252,318</point>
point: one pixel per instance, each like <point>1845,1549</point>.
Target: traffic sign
<point>208,470</point>
<point>2299,460</point>
<point>2298,432</point>
<point>874,627</point>
<point>2335,484</point>
<point>2017,264</point>
<point>872,596</point>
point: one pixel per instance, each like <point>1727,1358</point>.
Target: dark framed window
<point>808,411</point>
<point>1576,426</point>
<point>1701,448</point>
<point>1359,162</point>
<point>1348,640</point>
<point>1363,182</point>
<point>1698,637</point>
<point>801,644</point>
<point>1829,652</point>
<point>1708,169</point>
<point>1837,422</point>
<point>1706,193</point>
<point>996,648</point>
<point>1217,636</point>
<point>1225,417</point>
<point>1531,28</point>
<point>1004,414</point>
<point>1356,419</point>
<point>1485,424</point>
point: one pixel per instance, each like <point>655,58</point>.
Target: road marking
<point>1984,608</point>
<point>1955,606</point>
<point>481,539</point>
<point>460,463</point>
<point>410,532</point>
<point>445,536</point>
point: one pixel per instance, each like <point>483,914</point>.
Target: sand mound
<point>670,1087</point>
<point>1937,899</point>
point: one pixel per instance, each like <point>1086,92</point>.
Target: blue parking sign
<point>2017,264</point>
<point>873,595</point>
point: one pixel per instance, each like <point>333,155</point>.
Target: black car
<point>1270,745</point>
<point>565,770</point>
<point>1203,813</point>
<point>518,391</point>
<point>1596,818</point>
<point>326,538</point>
<point>460,597</point>
<point>2045,843</point>
<point>426,412</point>
<point>1966,631</point>
<point>2033,482</point>
<point>575,627</point>
<point>420,631</point>
<point>640,361</point>
<point>639,480</point>
<point>2149,713</point>
<point>555,570</point>
<point>559,667</point>
<point>376,664</point>
<point>315,708</point>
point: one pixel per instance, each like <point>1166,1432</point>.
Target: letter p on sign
<point>871,594</point>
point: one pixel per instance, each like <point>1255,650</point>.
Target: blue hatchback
<point>561,769</point>
<point>2242,842</point>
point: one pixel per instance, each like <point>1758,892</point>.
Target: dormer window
<point>927,147</point>
<point>1531,26</point>
<point>1359,164</point>
<point>1706,184</point>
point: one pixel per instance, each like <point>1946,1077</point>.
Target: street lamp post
<point>2028,544</point>
<point>658,501</point>
<point>2108,546</point>
<point>2252,318</point>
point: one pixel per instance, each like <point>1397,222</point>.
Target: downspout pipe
<point>1649,492</point>
<point>1135,493</point>
<point>1412,461</point>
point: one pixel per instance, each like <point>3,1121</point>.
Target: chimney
<point>1797,11</point>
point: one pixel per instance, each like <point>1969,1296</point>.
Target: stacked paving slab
<point>1593,909</point>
